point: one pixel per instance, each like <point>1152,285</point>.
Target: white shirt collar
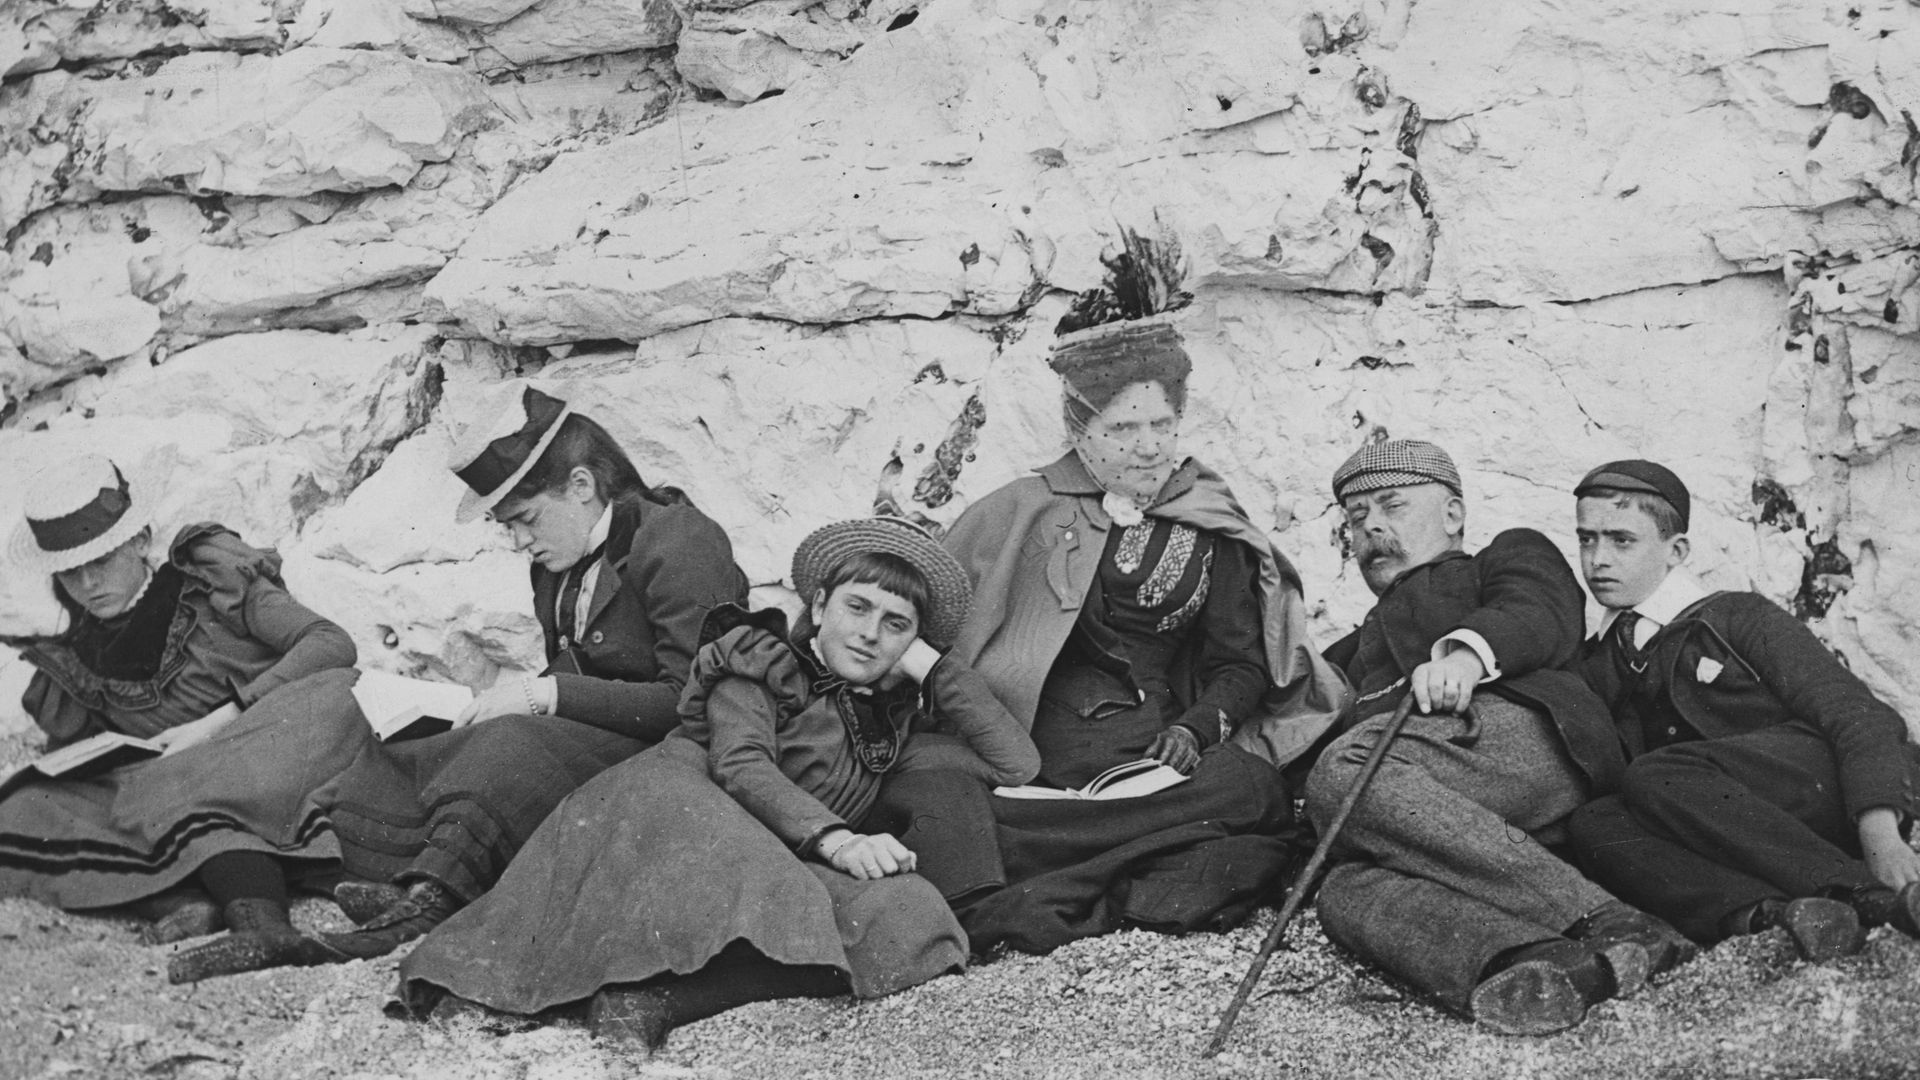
<point>1675,594</point>
<point>598,534</point>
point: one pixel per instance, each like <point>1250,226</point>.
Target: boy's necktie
<point>1622,634</point>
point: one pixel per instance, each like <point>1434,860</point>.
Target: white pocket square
<point>1708,670</point>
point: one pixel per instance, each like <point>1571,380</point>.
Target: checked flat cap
<point>1395,463</point>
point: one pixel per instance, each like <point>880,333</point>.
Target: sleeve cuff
<point>1469,639</point>
<point>806,848</point>
<point>919,660</point>
<point>1207,722</point>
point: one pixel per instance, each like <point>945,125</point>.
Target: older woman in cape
<point>1126,608</point>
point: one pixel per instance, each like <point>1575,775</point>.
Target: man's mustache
<point>1367,548</point>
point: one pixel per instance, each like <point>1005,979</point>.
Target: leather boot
<point>260,936</point>
<point>1616,922</point>
<point>1879,905</point>
<point>179,915</point>
<point>636,1017</point>
<point>426,904</point>
<point>1548,986</point>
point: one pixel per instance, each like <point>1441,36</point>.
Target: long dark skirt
<point>651,868</point>
<point>144,828</point>
<point>1035,874</point>
<point>456,807</point>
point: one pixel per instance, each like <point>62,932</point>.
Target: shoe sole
<point>1533,997</point>
<point>1823,930</point>
<point>239,953</point>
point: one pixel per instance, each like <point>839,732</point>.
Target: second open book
<point>1128,781</point>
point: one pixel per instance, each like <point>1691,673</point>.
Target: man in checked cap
<point>1444,879</point>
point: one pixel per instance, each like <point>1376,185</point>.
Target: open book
<point>88,757</point>
<point>1128,781</point>
<point>400,708</point>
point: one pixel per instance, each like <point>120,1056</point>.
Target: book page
<point>1134,784</point>
<point>1128,780</point>
<point>392,702</point>
<point>69,758</point>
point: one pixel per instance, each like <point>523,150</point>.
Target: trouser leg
<point>1456,800</point>
<point>1419,930</point>
<point>1655,874</point>
<point>1767,804</point>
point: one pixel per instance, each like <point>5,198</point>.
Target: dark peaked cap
<point>1635,474</point>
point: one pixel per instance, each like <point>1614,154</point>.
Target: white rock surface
<point>742,65</point>
<point>256,430</point>
<point>310,120</point>
<point>564,29</point>
<point>996,176</point>
<point>36,35</point>
<point>1542,234</point>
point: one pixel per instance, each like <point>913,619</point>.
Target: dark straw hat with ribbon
<point>74,512</point>
<point>516,423</point>
<point>949,589</point>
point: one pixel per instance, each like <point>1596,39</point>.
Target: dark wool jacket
<point>1771,670</point>
<point>663,568</point>
<point>1521,596</point>
<point>216,625</point>
<point>804,752</point>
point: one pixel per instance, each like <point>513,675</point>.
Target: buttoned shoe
<point>364,901</point>
<point>425,905</point>
<point>1879,905</point>
<point>1549,986</point>
<point>1820,929</point>
<point>259,936</point>
<point>634,1017</point>
<point>1617,921</point>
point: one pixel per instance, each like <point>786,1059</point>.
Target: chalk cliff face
<point>802,256</point>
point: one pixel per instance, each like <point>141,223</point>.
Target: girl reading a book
<point>1127,609</point>
<point>740,860</point>
<point>198,655</point>
<point>623,574</point>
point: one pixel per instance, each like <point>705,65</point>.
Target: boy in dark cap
<point>1768,787</point>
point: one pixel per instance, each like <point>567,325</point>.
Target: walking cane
<point>1308,876</point>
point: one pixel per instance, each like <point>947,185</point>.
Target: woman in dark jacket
<point>623,575</point>
<point>206,655</point>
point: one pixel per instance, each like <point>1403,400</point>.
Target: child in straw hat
<point>739,861</point>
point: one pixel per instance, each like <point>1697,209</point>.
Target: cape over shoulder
<point>212,554</point>
<point>753,652</point>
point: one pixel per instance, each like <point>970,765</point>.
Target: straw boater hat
<point>74,512</point>
<point>516,425</point>
<point>949,590</point>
